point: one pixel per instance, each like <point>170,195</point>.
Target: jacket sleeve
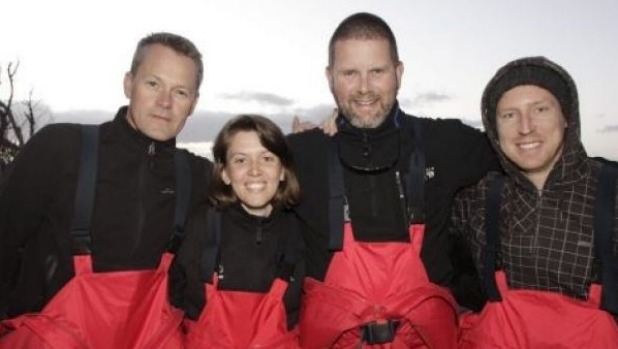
<point>186,286</point>
<point>28,190</point>
<point>466,282</point>
<point>477,157</point>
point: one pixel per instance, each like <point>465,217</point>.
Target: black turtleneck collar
<point>120,120</point>
<point>253,224</point>
<point>370,149</point>
<point>250,220</point>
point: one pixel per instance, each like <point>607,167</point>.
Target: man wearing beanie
<point>544,236</point>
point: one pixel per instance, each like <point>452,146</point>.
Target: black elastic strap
<point>85,191</point>
<point>212,242</point>
<point>293,249</point>
<point>490,251</point>
<point>605,205</point>
<point>182,168</point>
<point>336,199</point>
<point>416,177</point>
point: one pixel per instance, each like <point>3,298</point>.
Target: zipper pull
<point>402,199</point>
<point>258,233</point>
<point>151,154</point>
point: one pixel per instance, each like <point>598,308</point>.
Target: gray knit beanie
<point>538,75</point>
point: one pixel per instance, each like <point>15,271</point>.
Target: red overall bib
<point>241,320</point>
<point>369,282</point>
<point>124,309</point>
<point>539,319</point>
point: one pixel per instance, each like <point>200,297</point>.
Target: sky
<point>268,56</point>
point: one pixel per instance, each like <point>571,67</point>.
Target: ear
<point>226,179</point>
<point>399,72</point>
<point>197,97</point>
<point>329,77</point>
<point>128,84</point>
<point>282,176</point>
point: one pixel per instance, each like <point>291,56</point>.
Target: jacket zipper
<point>151,154</point>
<point>141,210</point>
<point>258,232</point>
<point>538,209</point>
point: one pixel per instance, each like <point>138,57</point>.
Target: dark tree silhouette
<point>18,119</point>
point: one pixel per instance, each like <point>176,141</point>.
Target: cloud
<point>424,99</point>
<point>204,125</point>
<point>429,98</point>
<point>259,97</point>
<point>200,148</point>
<point>609,129</point>
<point>476,123</point>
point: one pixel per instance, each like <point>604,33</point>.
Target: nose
<point>364,82</point>
<point>164,99</point>
<point>526,124</point>
<point>254,168</point>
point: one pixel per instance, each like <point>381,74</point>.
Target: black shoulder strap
<point>85,191</point>
<point>605,206</point>
<point>490,251</point>
<point>292,252</point>
<point>182,168</point>
<point>210,252</point>
<point>336,199</point>
<point>415,178</point>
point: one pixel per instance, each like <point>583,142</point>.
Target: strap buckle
<point>379,332</point>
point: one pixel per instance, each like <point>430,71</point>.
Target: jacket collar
<point>137,138</point>
<point>370,149</point>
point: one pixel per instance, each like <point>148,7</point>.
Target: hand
<point>329,126</point>
<point>301,126</point>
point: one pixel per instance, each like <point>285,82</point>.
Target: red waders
<point>522,319</point>
<point>122,309</point>
<point>241,320</point>
<point>537,319</point>
<point>125,309</point>
<point>377,295</point>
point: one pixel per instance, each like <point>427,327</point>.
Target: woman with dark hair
<point>238,273</point>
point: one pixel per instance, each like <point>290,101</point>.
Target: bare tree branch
<point>18,121</point>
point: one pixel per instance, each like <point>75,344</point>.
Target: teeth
<point>255,186</point>
<point>526,146</point>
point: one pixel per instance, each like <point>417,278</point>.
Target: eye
<point>507,116</point>
<point>237,160</point>
<point>182,93</point>
<point>152,83</point>
<point>348,73</point>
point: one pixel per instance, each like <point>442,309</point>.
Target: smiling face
<point>531,130</point>
<point>364,80</point>
<point>162,93</point>
<point>253,172</point>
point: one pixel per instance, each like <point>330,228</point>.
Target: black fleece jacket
<point>456,156</point>
<point>133,209</point>
<point>249,258</point>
